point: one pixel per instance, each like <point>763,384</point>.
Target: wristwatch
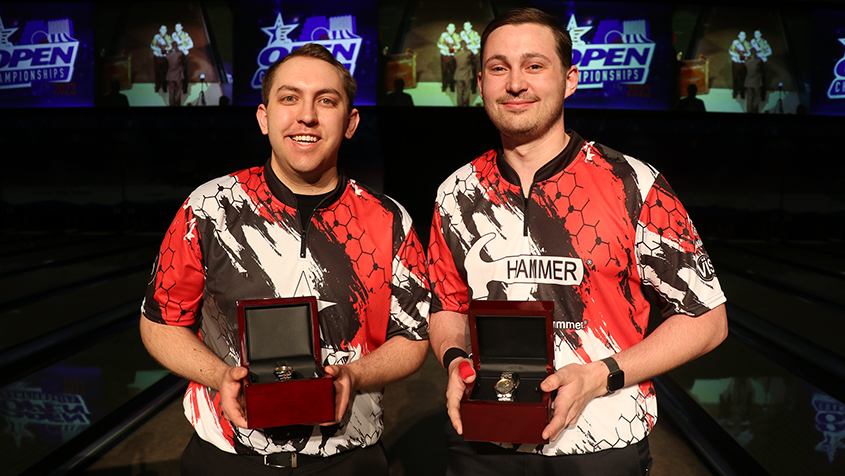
<point>506,386</point>
<point>616,377</point>
<point>283,373</point>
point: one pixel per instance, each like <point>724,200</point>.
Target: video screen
<point>46,55</point>
<point>828,78</point>
<point>432,60</point>
<point>158,54</point>
<point>741,63</point>
<point>623,52</point>
<point>265,31</point>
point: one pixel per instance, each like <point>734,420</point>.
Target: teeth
<point>305,138</point>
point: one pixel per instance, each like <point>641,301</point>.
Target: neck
<point>313,183</point>
<point>527,157</point>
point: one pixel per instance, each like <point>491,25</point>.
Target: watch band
<point>616,377</point>
<point>611,364</point>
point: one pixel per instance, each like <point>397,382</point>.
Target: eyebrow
<point>283,88</point>
<point>525,56</point>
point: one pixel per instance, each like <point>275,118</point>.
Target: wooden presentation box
<point>276,332</point>
<point>512,336</point>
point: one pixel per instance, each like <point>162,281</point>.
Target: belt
<point>287,460</point>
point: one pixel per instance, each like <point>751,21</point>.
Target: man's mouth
<point>305,139</point>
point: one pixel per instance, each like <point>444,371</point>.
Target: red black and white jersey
<point>596,227</point>
<point>240,237</point>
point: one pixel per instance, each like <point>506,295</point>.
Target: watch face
<point>615,381</point>
<point>505,386</point>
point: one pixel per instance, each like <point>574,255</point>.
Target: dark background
<point>766,176</point>
<point>127,170</point>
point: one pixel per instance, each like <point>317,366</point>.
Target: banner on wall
<point>46,55</point>
<point>266,31</point>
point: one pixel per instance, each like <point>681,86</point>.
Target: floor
<point>414,419</point>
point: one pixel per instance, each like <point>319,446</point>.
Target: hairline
<point>319,52</point>
<point>532,16</point>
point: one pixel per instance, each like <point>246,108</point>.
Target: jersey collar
<point>283,194</point>
<point>551,168</point>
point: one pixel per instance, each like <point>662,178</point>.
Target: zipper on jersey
<point>303,233</point>
<point>303,250</point>
<point>525,202</point>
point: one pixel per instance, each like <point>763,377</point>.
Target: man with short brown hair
<point>549,196</point>
<point>292,227</point>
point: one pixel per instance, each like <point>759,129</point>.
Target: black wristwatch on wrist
<point>616,377</point>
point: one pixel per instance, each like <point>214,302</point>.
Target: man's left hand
<point>576,385</point>
<point>344,384</point>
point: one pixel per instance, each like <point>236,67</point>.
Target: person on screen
<point>550,196</point>
<point>463,74</point>
<point>175,76</point>
<point>691,103</point>
<point>115,98</point>
<point>764,50</point>
<point>182,41</point>
<point>448,44</point>
<point>739,51</point>
<point>295,226</point>
<point>753,82</point>
<point>473,42</point>
<point>398,97</point>
<point>161,45</point>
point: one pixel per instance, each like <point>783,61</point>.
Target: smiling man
<point>550,196</point>
<point>293,227</point>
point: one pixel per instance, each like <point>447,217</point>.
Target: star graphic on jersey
<point>576,31</point>
<point>303,288</point>
<point>5,33</point>
<point>279,32</point>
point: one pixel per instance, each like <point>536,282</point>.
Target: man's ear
<point>571,80</point>
<point>352,125</point>
<point>261,115</point>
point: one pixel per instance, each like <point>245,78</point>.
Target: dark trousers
<point>185,74</point>
<point>160,72</point>
<point>487,459</point>
<point>752,100</point>
<point>463,92</point>
<point>448,65</point>
<point>739,72</point>
<point>201,458</point>
<point>175,92</point>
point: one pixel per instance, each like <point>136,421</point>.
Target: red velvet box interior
<point>283,331</point>
<point>513,336</point>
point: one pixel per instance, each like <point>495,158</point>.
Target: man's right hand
<point>455,389</point>
<point>232,395</point>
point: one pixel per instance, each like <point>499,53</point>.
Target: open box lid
<point>512,336</point>
<point>280,329</point>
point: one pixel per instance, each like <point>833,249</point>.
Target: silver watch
<point>506,386</point>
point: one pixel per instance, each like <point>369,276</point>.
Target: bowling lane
<point>786,424</point>
<point>809,304</point>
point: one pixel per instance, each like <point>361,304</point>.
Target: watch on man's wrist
<point>506,386</point>
<point>616,377</point>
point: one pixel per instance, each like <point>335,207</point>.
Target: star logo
<point>279,32</point>
<point>5,33</point>
<point>303,288</point>
<point>576,31</point>
<point>837,86</point>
